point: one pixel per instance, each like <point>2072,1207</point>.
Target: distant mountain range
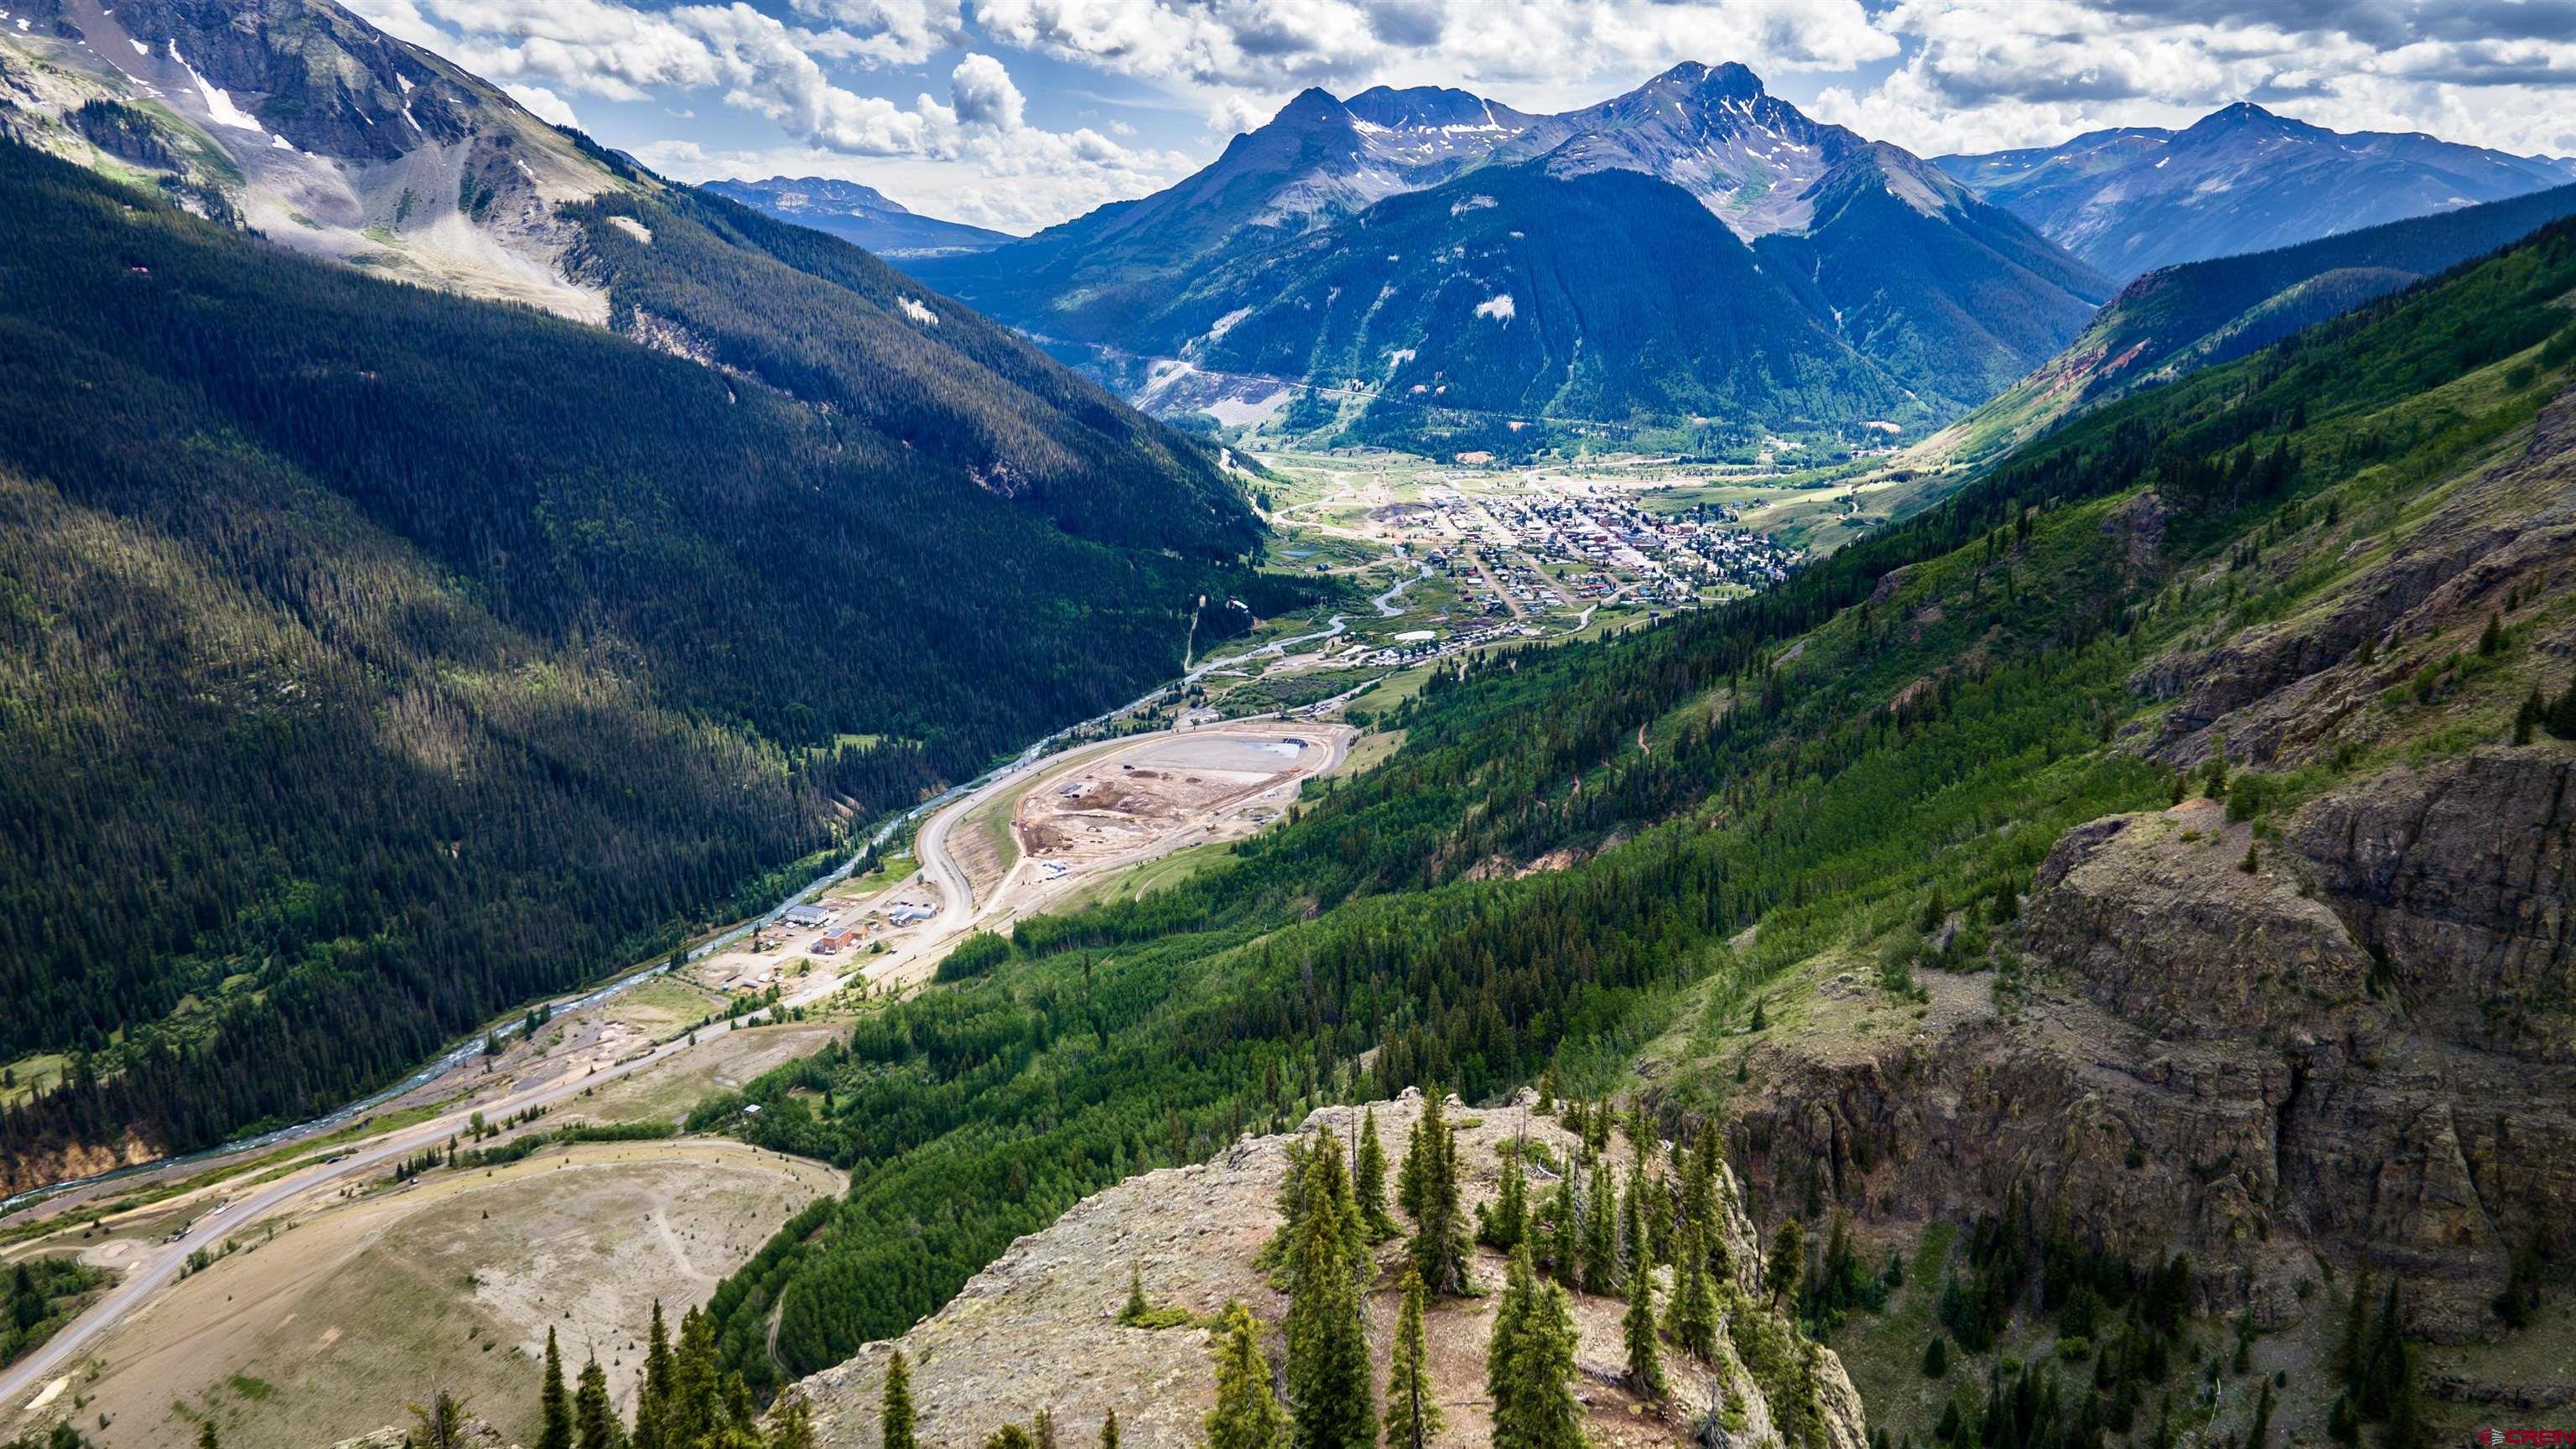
<point>1429,268</point>
<point>859,214</point>
<point>2239,180</point>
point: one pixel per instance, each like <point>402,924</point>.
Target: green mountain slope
<point>2172,322</point>
<point>378,659</point>
<point>1512,295</point>
<point>1767,802</point>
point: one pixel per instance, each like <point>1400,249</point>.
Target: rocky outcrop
<point>1038,1328</point>
<point>2355,1050</point>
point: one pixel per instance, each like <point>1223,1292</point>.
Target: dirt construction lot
<point>356,1307</point>
<point>1210,786</point>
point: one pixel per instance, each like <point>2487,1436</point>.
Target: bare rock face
<point>1038,1328</point>
<point>2357,1049</point>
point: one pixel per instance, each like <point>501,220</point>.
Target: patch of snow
<point>633,228</point>
<point>404,81</point>
<point>2162,162</point>
<point>1226,323</point>
<point>917,312</point>
<point>1473,203</point>
<point>1497,307</point>
<point>280,143</point>
<point>139,47</point>
<point>1398,358</point>
<point>219,106</point>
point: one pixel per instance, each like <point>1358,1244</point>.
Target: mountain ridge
<point>859,214</point>
<point>2240,179</point>
<point>1943,296</point>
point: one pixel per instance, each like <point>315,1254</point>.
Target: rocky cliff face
<point>2346,1041</point>
<point>1038,1329</point>
<point>2212,1061</point>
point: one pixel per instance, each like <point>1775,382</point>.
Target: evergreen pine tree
<point>696,1404</point>
<point>1694,1310</point>
<point>2383,1360</point>
<point>2527,718</point>
<point>1292,1206</point>
<point>2354,1342</point>
<point>1109,1429</point>
<point>1645,1354</point>
<point>2406,1426</point>
<point>207,1438</point>
<point>1009,1436</point>
<point>896,1414</point>
<point>594,1417</point>
<point>1136,1310</point>
<point>1600,1233</point>
<point>1328,1358</point>
<point>1659,1219</point>
<point>554,1409</point>
<point>1634,1257</point>
<point>1936,1357</point>
<point>441,1421</point>
<point>1548,1091</point>
<point>1412,1408</point>
<point>1439,1248</point>
<point>795,1429</point>
<point>2560,717</point>
<point>653,1400</point>
<point>1787,1264</point>
<point>1530,1364</point>
<point>1045,1430</point>
<point>1699,1184</point>
<point>1565,1236</point>
<point>1370,1177</point>
<point>1408,1176</point>
<point>1246,1416</point>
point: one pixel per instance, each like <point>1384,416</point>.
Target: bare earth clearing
<point>356,1307</point>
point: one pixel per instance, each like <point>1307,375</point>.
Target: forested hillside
<point>2173,322</point>
<point>377,659</point>
<point>1918,719</point>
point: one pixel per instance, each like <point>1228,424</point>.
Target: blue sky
<point>1020,113</point>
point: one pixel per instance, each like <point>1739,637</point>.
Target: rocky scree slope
<point>1038,1328</point>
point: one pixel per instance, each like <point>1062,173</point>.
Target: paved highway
<point>958,913</point>
<point>210,1228</point>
